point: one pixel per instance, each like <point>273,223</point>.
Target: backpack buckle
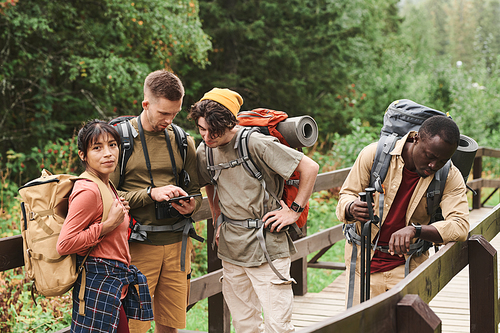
<point>431,194</point>
<point>253,223</point>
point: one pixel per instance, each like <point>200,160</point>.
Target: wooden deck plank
<point>451,304</point>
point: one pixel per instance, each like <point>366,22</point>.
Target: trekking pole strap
<point>416,249</point>
<point>353,238</point>
<point>352,275</point>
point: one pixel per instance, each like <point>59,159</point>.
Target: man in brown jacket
<point>414,161</point>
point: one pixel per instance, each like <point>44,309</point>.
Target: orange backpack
<point>265,121</point>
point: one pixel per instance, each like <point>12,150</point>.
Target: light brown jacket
<point>454,205</point>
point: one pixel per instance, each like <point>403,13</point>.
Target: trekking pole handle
<point>362,196</point>
<point>369,199</point>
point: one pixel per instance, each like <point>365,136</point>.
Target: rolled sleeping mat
<point>299,131</point>
<point>463,158</point>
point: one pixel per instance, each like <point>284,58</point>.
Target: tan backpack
<point>44,210</point>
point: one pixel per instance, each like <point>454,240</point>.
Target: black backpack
<point>128,133</point>
<point>401,117</point>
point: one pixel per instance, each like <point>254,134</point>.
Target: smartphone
<point>186,197</point>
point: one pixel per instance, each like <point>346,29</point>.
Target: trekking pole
<point>362,197</point>
<point>367,232</point>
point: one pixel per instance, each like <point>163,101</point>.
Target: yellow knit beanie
<point>230,99</point>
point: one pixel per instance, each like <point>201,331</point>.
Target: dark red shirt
<point>396,219</point>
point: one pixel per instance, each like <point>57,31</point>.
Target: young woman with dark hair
<point>108,296</point>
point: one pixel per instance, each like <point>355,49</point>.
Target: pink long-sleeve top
<point>82,227</point>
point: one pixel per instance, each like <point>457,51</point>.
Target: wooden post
<point>477,170</point>
<point>216,321</point>
<point>298,271</point>
<point>415,316</point>
<point>11,253</point>
<point>219,320</point>
<point>483,285</point>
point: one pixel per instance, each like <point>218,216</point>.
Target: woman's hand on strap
<point>115,217</point>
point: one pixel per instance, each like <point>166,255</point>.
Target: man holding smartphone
<point>154,174</point>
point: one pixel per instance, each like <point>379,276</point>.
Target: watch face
<point>295,206</point>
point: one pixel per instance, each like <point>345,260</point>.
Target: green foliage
<point>296,56</point>
<point>64,62</point>
<point>58,156</point>
<point>20,314</point>
<point>456,67</point>
<point>322,216</point>
<point>345,149</point>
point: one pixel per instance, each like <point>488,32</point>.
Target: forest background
<point>342,62</point>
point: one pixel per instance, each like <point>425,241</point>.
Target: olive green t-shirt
<point>137,180</point>
<point>241,196</point>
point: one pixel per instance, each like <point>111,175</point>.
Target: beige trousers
<point>379,282</point>
<point>249,291</point>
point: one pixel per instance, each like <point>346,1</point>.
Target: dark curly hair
<point>217,116</point>
<point>442,126</point>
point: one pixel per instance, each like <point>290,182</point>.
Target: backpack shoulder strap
<point>435,192</point>
<point>210,163</point>
<point>241,145</point>
<point>382,161</point>
<point>181,139</point>
<point>107,198</point>
<point>380,166</point>
<point>215,170</point>
<point>127,134</point>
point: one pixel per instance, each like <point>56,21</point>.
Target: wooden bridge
<point>451,304</point>
<point>405,308</point>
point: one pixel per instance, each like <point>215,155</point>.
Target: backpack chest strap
<point>216,169</point>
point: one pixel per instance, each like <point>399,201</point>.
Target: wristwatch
<point>418,229</point>
<point>296,207</point>
<point>148,191</point>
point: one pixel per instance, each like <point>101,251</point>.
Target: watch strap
<point>418,229</point>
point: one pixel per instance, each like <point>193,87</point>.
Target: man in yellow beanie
<point>246,209</point>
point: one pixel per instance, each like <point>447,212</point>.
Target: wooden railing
<point>404,308</point>
<point>380,314</point>
<point>478,182</point>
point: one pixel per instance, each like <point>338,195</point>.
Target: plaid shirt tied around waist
<point>104,283</point>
